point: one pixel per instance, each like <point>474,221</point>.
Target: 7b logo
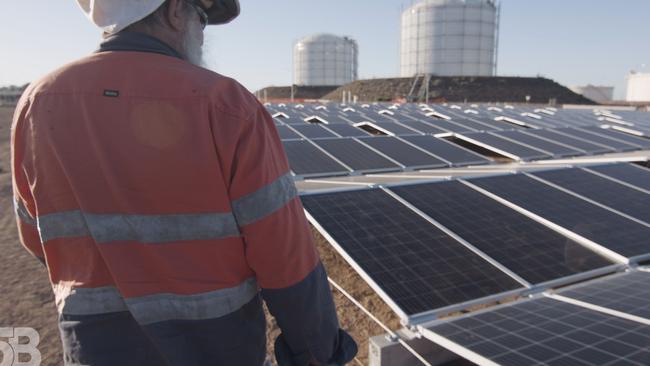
<point>11,349</point>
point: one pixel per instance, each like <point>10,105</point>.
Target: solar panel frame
<point>422,251</point>
<point>571,213</point>
<point>523,246</point>
<point>543,331</point>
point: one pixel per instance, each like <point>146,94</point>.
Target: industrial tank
<point>638,87</point>
<point>597,93</point>
<point>325,60</point>
<point>450,38</point>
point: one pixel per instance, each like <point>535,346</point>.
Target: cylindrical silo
<point>450,38</point>
<point>325,60</point>
<point>638,87</point>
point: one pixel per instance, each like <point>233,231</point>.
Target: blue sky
<point>571,41</point>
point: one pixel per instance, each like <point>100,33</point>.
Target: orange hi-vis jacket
<point>159,196</point>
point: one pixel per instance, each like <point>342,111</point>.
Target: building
<point>325,60</point>
<point>638,87</point>
<point>450,38</point>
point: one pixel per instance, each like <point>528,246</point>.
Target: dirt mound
<point>462,89</point>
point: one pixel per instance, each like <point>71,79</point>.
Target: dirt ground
<point>26,298</point>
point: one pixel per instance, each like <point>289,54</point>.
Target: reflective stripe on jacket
<point>159,195</point>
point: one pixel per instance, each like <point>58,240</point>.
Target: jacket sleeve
<point>280,249</point>
<point>24,206</point>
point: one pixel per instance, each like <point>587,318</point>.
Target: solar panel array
<point>433,248</point>
<point>518,133</point>
<point>418,266</point>
<point>598,224</point>
<point>530,249</point>
<point>516,225</point>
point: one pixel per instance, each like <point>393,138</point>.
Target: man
<point>159,197</point>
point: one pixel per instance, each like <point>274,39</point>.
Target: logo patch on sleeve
<point>111,93</point>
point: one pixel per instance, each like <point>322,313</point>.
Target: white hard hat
<point>114,15</point>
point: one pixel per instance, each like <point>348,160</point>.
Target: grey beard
<point>193,50</point>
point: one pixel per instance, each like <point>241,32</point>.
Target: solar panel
<point>293,121</point>
<point>644,143</point>
<point>526,247</point>
<point>628,173</point>
<point>569,141</point>
<point>396,128</point>
<point>614,144</point>
<point>418,266</point>
<point>552,147</point>
<point>346,130</point>
<point>287,133</point>
<point>454,154</point>
<point>473,124</point>
<point>307,159</point>
<point>627,293</point>
<point>602,226</point>
<point>602,190</point>
<point>406,154</point>
<point>313,131</point>
<point>423,127</point>
<point>492,124</point>
<point>337,119</point>
<point>504,147</point>
<point>355,155</point>
<point>449,126</point>
<point>546,332</point>
<point>376,117</point>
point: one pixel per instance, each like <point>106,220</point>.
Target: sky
<point>574,42</point>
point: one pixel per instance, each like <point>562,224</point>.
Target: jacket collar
<point>139,42</point>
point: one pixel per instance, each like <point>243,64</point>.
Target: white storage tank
<point>449,38</point>
<point>638,87</point>
<point>597,93</point>
<point>325,60</point>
